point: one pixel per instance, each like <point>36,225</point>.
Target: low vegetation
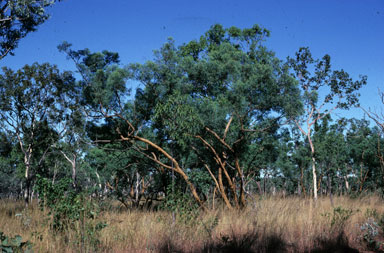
<point>270,224</point>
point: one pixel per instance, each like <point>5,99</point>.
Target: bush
<point>70,210</point>
<point>339,217</point>
<point>14,244</point>
<point>180,204</point>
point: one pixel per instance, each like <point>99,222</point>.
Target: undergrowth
<point>270,224</point>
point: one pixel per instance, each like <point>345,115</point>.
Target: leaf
<point>16,241</point>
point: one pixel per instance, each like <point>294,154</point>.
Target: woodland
<point>203,137</point>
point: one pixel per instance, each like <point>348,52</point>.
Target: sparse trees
<point>32,103</point>
<point>206,116</point>
<point>322,91</point>
<point>378,118</point>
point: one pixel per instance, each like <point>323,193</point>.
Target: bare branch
<point>219,139</point>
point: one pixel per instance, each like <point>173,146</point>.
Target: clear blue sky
<point>351,31</point>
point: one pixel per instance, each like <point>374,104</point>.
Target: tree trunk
<point>137,188</point>
<point>304,191</point>
<point>27,190</point>
<point>330,190</point>
<point>243,202</point>
<point>175,167</point>
<point>259,187</point>
<point>314,178</point>
<point>74,173</point>
<point>298,188</point>
<point>313,166</point>
<point>73,166</point>
<point>346,184</point>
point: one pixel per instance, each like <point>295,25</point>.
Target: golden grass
<point>270,224</point>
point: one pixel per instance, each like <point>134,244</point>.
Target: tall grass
<point>269,224</point>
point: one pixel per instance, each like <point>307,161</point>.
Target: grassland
<point>268,224</point>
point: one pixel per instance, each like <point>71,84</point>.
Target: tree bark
<point>314,175</point>
<point>175,167</point>
<point>314,178</point>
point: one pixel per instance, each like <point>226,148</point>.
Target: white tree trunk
<point>314,178</point>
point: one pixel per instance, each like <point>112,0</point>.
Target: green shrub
<point>14,244</point>
<point>339,217</point>
<point>70,210</point>
<point>373,230</point>
<point>180,204</point>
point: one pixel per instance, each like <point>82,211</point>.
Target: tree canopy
<point>218,116</point>
<point>17,19</point>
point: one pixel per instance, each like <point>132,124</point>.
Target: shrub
<point>14,244</point>
<point>70,210</point>
<point>180,203</point>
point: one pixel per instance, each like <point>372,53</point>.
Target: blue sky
<point>351,31</point>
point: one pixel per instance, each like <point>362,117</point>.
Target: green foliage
<point>213,107</point>
<point>17,19</point>
<point>202,179</point>
<point>336,86</point>
<point>188,121</point>
<point>189,94</point>
<point>103,80</point>
<point>35,94</point>
<point>34,103</point>
<point>373,229</point>
<point>364,145</point>
<point>70,210</point>
<point>180,204</point>
<point>322,91</point>
<point>339,217</point>
<point>65,204</point>
<point>9,177</point>
<point>14,244</point>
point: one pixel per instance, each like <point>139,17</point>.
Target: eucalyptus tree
<point>32,106</point>
<point>322,92</point>
<point>378,118</point>
<point>73,137</point>
<point>123,172</point>
<point>331,155</point>
<point>223,97</point>
<point>364,150</point>
<point>105,95</point>
<point>292,162</point>
<point>17,19</point>
<point>208,105</point>
<point>9,182</point>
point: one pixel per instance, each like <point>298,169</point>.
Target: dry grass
<point>266,225</point>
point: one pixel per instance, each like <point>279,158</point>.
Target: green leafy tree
<point>291,165</point>
<point>32,106</point>
<point>364,144</point>
<point>124,172</point>
<point>331,155</point>
<point>202,106</point>
<point>17,19</point>
<point>223,97</point>
<point>9,181</point>
<point>322,91</point>
<point>73,142</point>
